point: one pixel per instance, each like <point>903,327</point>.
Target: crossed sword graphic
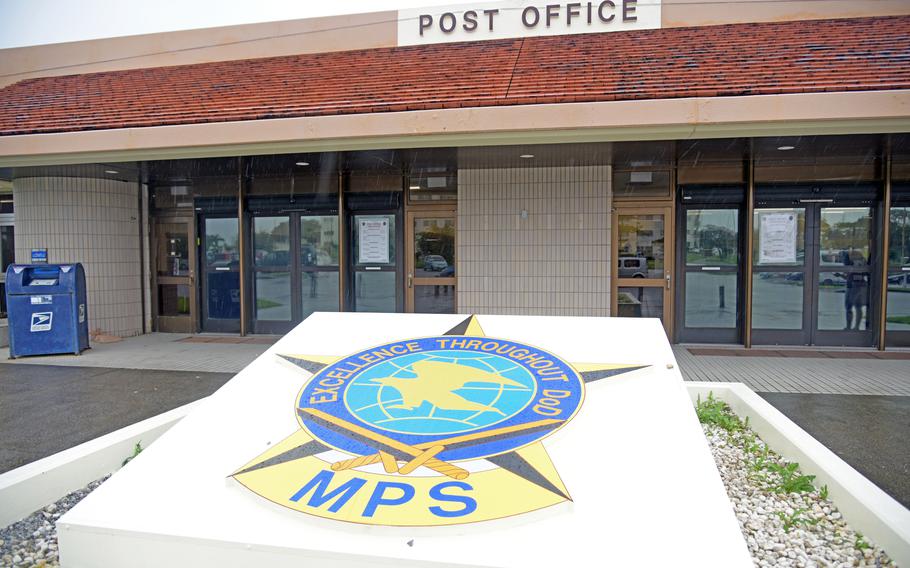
<point>391,451</point>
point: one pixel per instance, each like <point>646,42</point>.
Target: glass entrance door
<point>643,267</point>
<point>897,318</point>
<point>431,262</point>
<point>709,294</point>
<point>295,269</point>
<point>272,269</point>
<point>812,275</point>
<point>220,252</point>
<point>175,262</point>
<point>374,273</point>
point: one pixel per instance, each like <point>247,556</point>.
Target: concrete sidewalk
<point>163,352</point>
<point>852,372</point>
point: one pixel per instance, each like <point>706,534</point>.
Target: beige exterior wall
<point>249,41</point>
<point>685,13</point>
<point>554,262</point>
<point>95,222</point>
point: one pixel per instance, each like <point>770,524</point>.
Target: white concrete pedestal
<point>644,488</point>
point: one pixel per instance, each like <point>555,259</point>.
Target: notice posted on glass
<point>777,238</point>
<point>373,240</point>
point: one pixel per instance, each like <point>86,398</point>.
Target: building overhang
<point>860,112</point>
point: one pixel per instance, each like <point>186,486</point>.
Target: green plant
<point>136,451</point>
<point>795,519</point>
<point>716,412</point>
<point>860,543</point>
<point>790,479</point>
<point>823,492</point>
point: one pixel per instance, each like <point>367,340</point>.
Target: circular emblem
<point>474,396</point>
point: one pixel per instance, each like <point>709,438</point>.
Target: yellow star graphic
<point>530,462</point>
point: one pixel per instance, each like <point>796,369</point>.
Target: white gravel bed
<point>33,540</point>
<point>801,528</point>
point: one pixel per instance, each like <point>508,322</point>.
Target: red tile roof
<point>740,59</point>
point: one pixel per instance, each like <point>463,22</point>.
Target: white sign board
<point>511,19</point>
<point>777,238</point>
<point>373,234</point>
<point>198,495</point>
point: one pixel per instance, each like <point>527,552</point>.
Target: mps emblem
<point>427,431</point>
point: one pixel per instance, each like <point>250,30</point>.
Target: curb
<point>33,486</point>
<point>867,508</point>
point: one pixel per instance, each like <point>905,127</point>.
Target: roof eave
<point>658,119</point>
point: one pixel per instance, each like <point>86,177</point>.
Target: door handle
<point>668,281</point>
<point>410,280</point>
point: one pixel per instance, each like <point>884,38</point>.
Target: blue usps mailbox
<point>46,309</point>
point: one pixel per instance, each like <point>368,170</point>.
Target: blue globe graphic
<point>380,405</point>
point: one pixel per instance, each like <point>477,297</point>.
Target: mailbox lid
<point>42,279</point>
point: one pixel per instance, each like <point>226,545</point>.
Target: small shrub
<point>136,451</point>
<point>716,412</point>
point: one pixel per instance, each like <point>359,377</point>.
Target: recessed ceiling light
<point>785,148</point>
<point>303,163</point>
<point>414,187</point>
<point>111,172</point>
<point>526,156</point>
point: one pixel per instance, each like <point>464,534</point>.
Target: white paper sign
<point>777,238</point>
<point>374,240</point>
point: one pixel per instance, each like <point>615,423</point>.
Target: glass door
<point>431,262</point>
<point>175,276</point>
<point>642,280</point>
<point>709,294</point>
<point>318,268</point>
<point>7,254</point>
<point>272,270</point>
<point>897,319</point>
<point>220,253</point>
<point>780,296</point>
<point>374,263</point>
<point>812,275</point>
<point>844,311</point>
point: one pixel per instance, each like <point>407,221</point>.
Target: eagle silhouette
<point>436,382</point>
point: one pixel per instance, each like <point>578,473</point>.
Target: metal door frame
<point>812,270</point>
<point>665,283</point>
<point>207,324</point>
<point>176,324</point>
<point>350,300</point>
<point>708,334</point>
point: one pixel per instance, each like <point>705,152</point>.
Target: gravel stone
<point>818,536</point>
<point>33,540</point>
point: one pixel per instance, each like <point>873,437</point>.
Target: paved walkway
<point>799,374</point>
<point>48,408</point>
<point>807,375</point>
<point>868,432</point>
<point>162,351</point>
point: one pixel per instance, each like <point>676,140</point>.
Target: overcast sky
<point>33,22</point>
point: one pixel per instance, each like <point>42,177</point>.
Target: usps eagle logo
<point>427,431</point>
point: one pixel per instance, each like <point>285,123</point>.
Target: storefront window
<point>714,161</point>
<point>642,169</point>
<point>641,246</point>
<point>712,237</point>
<point>777,300</point>
<point>814,159</point>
